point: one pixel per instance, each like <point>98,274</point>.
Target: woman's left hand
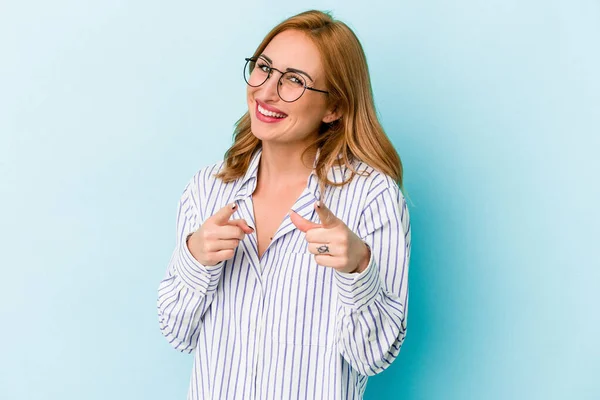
<point>332,242</point>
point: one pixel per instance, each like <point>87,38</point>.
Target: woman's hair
<point>357,134</point>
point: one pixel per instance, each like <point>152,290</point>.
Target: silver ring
<point>323,249</point>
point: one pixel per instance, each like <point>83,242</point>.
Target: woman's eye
<point>264,67</point>
<point>296,80</point>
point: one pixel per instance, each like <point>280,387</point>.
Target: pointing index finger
<point>223,215</point>
<point>328,220</point>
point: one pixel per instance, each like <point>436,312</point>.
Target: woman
<point>289,279</point>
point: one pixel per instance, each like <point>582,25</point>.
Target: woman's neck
<point>282,166</point>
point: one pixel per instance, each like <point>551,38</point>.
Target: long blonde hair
<point>358,134</point>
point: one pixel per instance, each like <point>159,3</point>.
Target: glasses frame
<point>271,69</point>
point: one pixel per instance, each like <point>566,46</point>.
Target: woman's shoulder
<point>205,176</point>
<point>208,172</point>
<point>380,192</point>
<point>373,180</point>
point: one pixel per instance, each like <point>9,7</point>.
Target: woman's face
<point>299,120</point>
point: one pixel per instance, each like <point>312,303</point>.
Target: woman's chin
<point>262,135</point>
<point>263,131</point>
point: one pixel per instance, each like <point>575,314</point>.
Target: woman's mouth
<point>265,115</point>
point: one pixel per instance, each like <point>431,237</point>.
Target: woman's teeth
<point>270,113</point>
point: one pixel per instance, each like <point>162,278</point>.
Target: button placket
<point>259,334</point>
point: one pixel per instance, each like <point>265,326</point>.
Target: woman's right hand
<point>218,237</point>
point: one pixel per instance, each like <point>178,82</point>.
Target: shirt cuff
<point>197,276</point>
<point>357,290</point>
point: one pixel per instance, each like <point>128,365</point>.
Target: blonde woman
<point>289,279</point>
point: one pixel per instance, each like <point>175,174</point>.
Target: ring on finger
<point>323,249</point>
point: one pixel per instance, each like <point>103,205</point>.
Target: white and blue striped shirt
<point>284,327</point>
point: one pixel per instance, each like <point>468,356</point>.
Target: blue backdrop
<point>107,108</point>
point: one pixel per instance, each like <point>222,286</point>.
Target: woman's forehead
<point>293,49</point>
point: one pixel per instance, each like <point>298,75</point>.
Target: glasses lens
<point>256,72</point>
<point>291,86</point>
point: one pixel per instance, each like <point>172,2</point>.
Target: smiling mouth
<point>268,113</point>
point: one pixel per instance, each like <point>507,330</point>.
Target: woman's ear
<point>332,115</point>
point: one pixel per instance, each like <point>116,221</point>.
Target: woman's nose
<point>270,86</point>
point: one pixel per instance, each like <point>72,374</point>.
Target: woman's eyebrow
<point>298,71</point>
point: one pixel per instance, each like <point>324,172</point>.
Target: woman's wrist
<point>364,262</point>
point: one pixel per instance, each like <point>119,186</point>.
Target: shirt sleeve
<point>188,287</point>
<point>373,304</point>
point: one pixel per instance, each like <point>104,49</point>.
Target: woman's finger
<point>242,224</point>
<point>230,232</point>
<point>227,244</point>
<point>320,248</point>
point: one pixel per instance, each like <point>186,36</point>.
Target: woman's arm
<point>188,288</point>
<point>373,304</point>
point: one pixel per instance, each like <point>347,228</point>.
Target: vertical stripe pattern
<point>282,326</point>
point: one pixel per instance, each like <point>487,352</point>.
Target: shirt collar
<point>248,181</point>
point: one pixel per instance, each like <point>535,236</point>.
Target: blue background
<point>107,108</point>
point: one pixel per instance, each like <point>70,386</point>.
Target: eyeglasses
<point>290,87</point>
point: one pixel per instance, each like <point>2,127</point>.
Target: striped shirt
<point>282,326</point>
